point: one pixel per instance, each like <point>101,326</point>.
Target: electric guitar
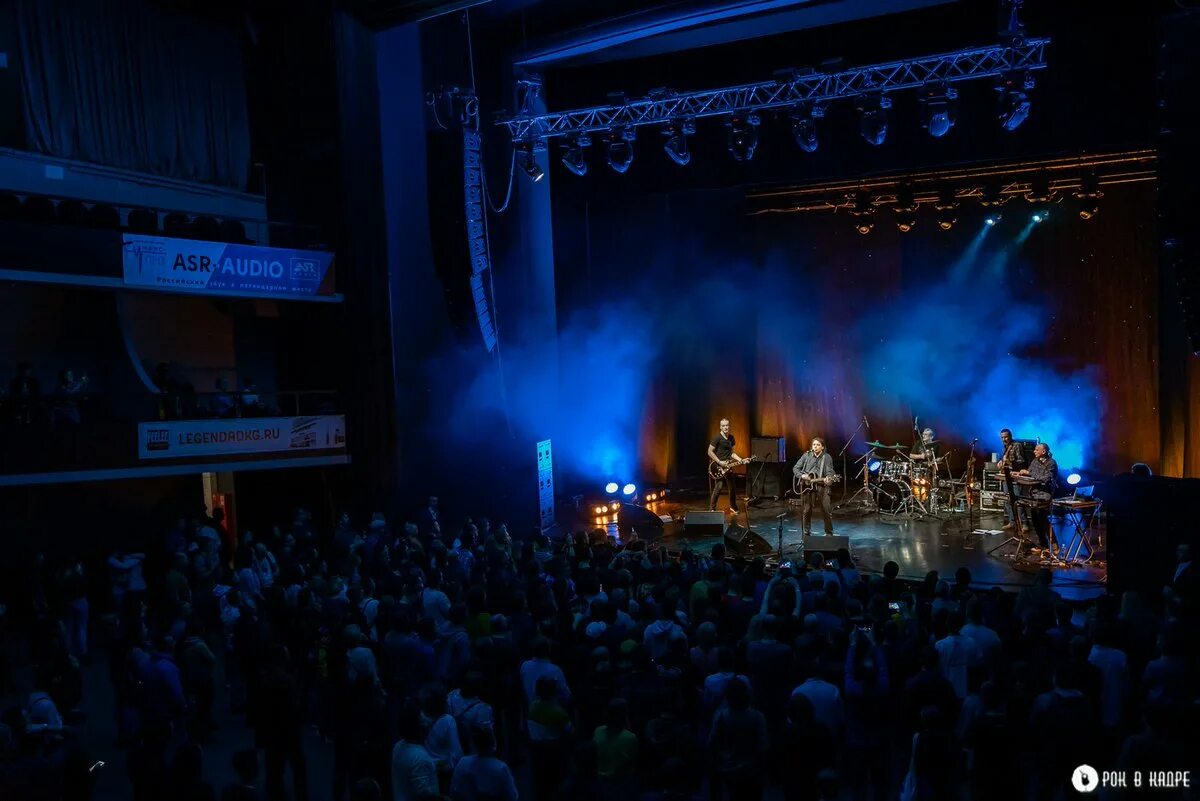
<point>717,472</point>
<point>802,485</point>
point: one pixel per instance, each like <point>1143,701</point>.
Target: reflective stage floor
<point>918,545</point>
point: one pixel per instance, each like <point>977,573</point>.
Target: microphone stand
<point>779,558</point>
<point>842,455</point>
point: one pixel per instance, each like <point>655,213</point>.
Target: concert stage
<point>917,545</point>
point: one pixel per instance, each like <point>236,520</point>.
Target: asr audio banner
<point>182,439</point>
<point>221,268</point>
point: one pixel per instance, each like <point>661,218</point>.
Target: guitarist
<point>815,468</point>
<point>721,451</point>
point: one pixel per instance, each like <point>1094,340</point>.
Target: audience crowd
<point>448,659</point>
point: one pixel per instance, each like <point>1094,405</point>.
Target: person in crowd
<point>223,402</point>
<point>435,661</point>
<point>245,786</point>
<point>483,776</point>
<point>413,770</point>
<point>25,393</point>
<point>67,398</point>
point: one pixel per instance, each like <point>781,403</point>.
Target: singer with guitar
<point>721,452</point>
<point>815,471</point>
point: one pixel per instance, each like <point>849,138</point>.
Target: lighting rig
<point>1039,185</point>
<point>801,95</point>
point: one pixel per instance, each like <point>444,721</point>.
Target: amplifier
<point>993,480</point>
<point>769,449</point>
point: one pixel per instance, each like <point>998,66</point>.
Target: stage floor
<point>917,545</point>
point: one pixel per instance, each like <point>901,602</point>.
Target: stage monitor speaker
<point>827,545</point>
<point>703,524</point>
<point>769,449</point>
<point>638,517</point>
<point>741,541</point>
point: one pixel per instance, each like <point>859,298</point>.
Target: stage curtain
<point>124,84</point>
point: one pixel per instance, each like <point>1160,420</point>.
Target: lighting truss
<point>939,188</point>
<point>811,87</point>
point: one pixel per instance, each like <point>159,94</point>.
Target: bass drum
<point>891,495</point>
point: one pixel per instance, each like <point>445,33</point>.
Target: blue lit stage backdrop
<point>798,326</point>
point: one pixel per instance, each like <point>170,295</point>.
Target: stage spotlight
<point>804,127</point>
<point>600,509</point>
<point>945,206</point>
<point>629,489</point>
<point>873,118</point>
<point>743,136</point>
<point>863,211</point>
<point>992,195</point>
<point>905,208</point>
<point>676,146</point>
<point>992,219</point>
<point>1040,216</point>
<point>611,487</point>
<point>1013,108</point>
<point>527,160</point>
<point>1088,195</point>
<point>937,114</point>
<point>620,149</point>
<point>1074,479</point>
<point>573,157</point>
<point>1039,189</point>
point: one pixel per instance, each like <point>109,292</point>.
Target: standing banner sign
<point>220,268</point>
<point>181,439</point>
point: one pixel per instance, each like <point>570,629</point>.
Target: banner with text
<point>181,439</point>
<point>221,268</point>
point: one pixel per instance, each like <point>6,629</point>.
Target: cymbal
<point>896,447</point>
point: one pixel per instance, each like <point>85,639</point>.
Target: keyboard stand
<point>1082,516</point>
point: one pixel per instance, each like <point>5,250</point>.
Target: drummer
<point>928,449</point>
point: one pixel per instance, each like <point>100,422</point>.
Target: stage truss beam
<point>811,88</point>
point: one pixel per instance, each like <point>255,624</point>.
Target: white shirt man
<point>956,654</point>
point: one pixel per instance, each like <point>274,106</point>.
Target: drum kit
<point>911,482</point>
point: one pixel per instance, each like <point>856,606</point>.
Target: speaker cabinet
<point>703,524</point>
<point>769,449</point>
<point>828,545</point>
<point>741,541</point>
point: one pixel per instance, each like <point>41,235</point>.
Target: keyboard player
<point>1043,470</point>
